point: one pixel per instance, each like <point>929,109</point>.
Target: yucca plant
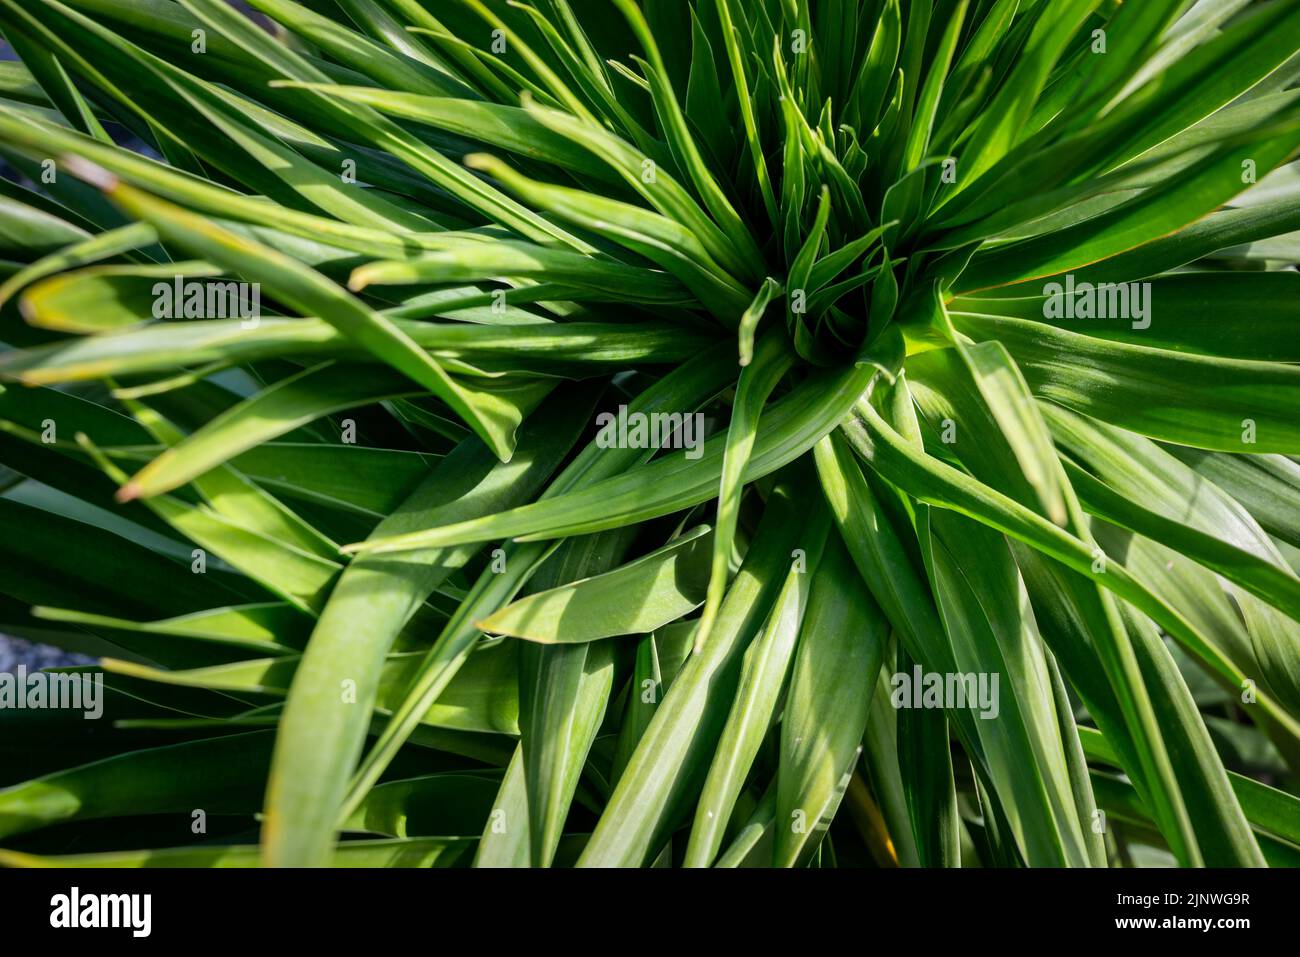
<point>724,432</point>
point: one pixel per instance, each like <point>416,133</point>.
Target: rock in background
<point>15,652</point>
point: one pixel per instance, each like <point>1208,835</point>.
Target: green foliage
<point>633,408</point>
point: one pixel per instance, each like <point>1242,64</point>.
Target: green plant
<point>993,335</point>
